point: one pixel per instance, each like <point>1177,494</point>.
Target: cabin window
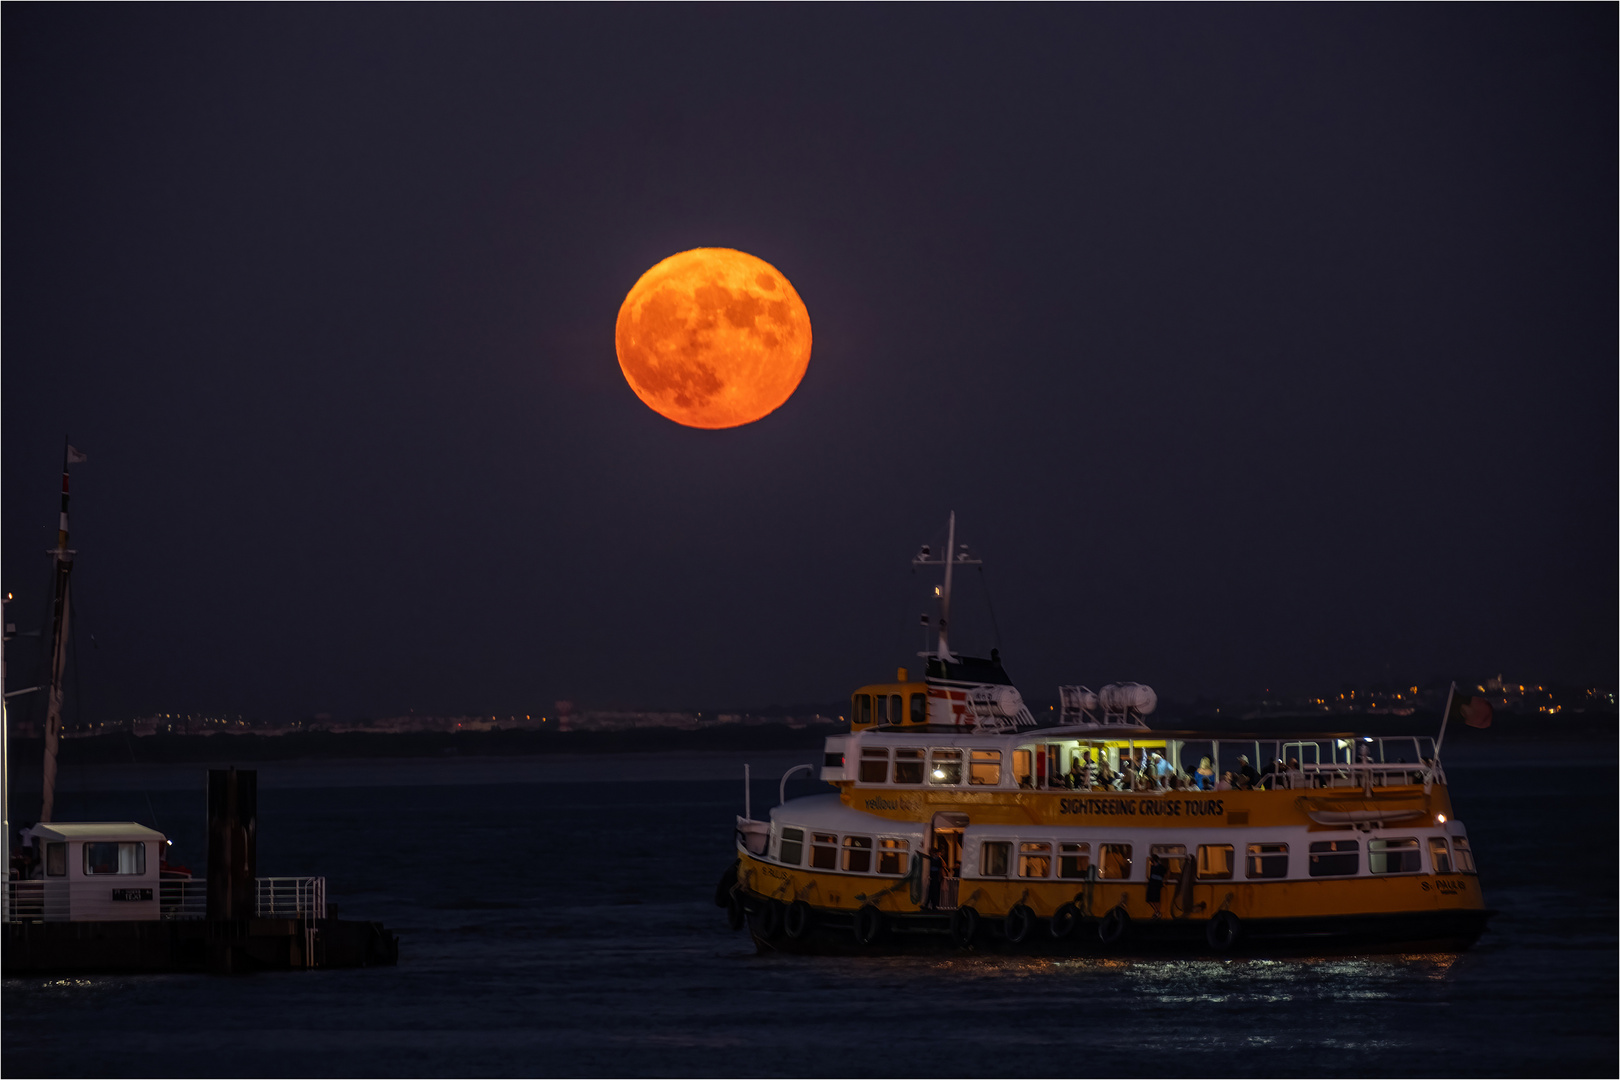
<point>1399,856</point>
<point>1465,854</point>
<point>897,712</point>
<point>858,854</point>
<point>1074,860</point>
<point>56,860</point>
<point>863,708</point>
<point>908,764</point>
<point>993,858</point>
<point>874,764</point>
<point>1174,856</point>
<point>984,767</point>
<point>1034,860</point>
<point>1267,861</point>
<point>1116,862</point>
<point>114,858</point>
<point>945,766</point>
<point>919,708</point>
<point>824,851</point>
<point>1439,855</point>
<point>1334,858</point>
<point>891,853</point>
<point>791,848</point>
<point>1214,862</point>
<point>1023,767</point>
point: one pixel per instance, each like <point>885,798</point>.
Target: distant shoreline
<point>122,748</point>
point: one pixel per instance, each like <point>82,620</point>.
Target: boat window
<point>880,709</point>
<point>1023,767</point>
<point>863,708</point>
<point>892,854</point>
<point>858,854</point>
<point>114,858</point>
<point>1174,856</point>
<point>945,766</point>
<point>908,764</point>
<point>791,848</point>
<point>1214,861</point>
<point>1334,858</point>
<point>1073,860</point>
<point>1399,856</point>
<point>1439,855</point>
<point>1267,861</point>
<point>993,858</point>
<point>874,764</point>
<point>1034,859</point>
<point>1116,862</point>
<point>824,851</point>
<point>984,767</point>
<point>1465,854</point>
<point>56,860</point>
<point>919,708</point>
<point>896,712</point>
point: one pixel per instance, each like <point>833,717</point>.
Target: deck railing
<point>178,898</point>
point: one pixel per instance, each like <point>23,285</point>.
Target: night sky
<point>1253,347</point>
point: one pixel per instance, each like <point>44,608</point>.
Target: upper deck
<point>1140,777</point>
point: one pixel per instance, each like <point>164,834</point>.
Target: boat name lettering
<point>880,803</point>
<point>1143,807</point>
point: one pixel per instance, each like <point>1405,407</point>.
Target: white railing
<point>30,901</point>
<point>292,898</point>
<point>183,898</point>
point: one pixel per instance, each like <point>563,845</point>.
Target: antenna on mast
<point>950,558</point>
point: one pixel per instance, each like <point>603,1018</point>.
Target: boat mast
<point>60,610</point>
<point>949,558</point>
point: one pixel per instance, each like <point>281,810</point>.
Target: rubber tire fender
<point>1114,926</point>
<point>798,920</point>
<point>735,915</point>
<point>1017,925</point>
<point>868,925</point>
<point>1223,931</point>
<point>728,880</point>
<point>964,925</point>
<point>1064,921</point>
<point>767,921</point>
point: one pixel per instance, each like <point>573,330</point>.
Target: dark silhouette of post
<point>233,827</point>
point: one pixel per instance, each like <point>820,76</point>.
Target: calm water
<point>555,917</point>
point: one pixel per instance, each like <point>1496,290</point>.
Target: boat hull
<point>842,933</point>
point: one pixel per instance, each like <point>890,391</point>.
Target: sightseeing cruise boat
<point>959,822</point>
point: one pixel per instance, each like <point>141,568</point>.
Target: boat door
<point>945,840</point>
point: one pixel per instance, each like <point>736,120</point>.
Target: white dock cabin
<point>97,871</point>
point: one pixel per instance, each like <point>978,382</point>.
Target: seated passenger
<point>1075,777</point>
<point>1292,776</point>
<point>1247,777</point>
<point>1205,776</point>
<point>1224,783</point>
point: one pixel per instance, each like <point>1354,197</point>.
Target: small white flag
<point>75,455</point>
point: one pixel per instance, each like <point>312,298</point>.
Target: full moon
<point>713,338</point>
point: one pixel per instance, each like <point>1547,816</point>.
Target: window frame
<point>907,758</point>
<point>990,761</point>
<point>56,852</point>
<point>1462,856</point>
<point>1231,862</point>
<point>896,847</point>
<point>821,842</point>
<point>856,848</point>
<point>940,760</point>
<point>1031,850</point>
<point>1340,856</point>
<point>782,842</point>
<point>118,855</point>
<point>1104,850</point>
<point>919,708</point>
<point>1410,846</point>
<point>863,709</point>
<point>1004,848</point>
<point>871,755</point>
<point>1257,856</point>
<point>1073,849</point>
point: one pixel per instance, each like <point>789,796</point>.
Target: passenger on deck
<point>1224,783</point>
<point>1162,769</point>
<point>1293,777</point>
<point>1270,776</point>
<point>1205,776</point>
<point>1246,776</point>
<point>1076,776</point>
<point>1105,775</point>
<point>1127,770</point>
<point>1155,885</point>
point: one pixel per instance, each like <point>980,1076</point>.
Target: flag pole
<point>1445,718</point>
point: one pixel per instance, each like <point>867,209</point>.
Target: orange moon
<point>713,338</point>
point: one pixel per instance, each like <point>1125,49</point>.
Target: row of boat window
<point>1073,859</point>
<point>100,857</point>
<point>943,766</point>
<point>889,709</point>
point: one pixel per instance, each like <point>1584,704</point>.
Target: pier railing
<point>178,898</point>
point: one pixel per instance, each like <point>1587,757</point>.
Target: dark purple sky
<point>1254,347</point>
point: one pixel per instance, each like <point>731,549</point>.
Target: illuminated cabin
<point>957,821</point>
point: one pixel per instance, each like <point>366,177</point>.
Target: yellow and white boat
<point>958,822</point>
